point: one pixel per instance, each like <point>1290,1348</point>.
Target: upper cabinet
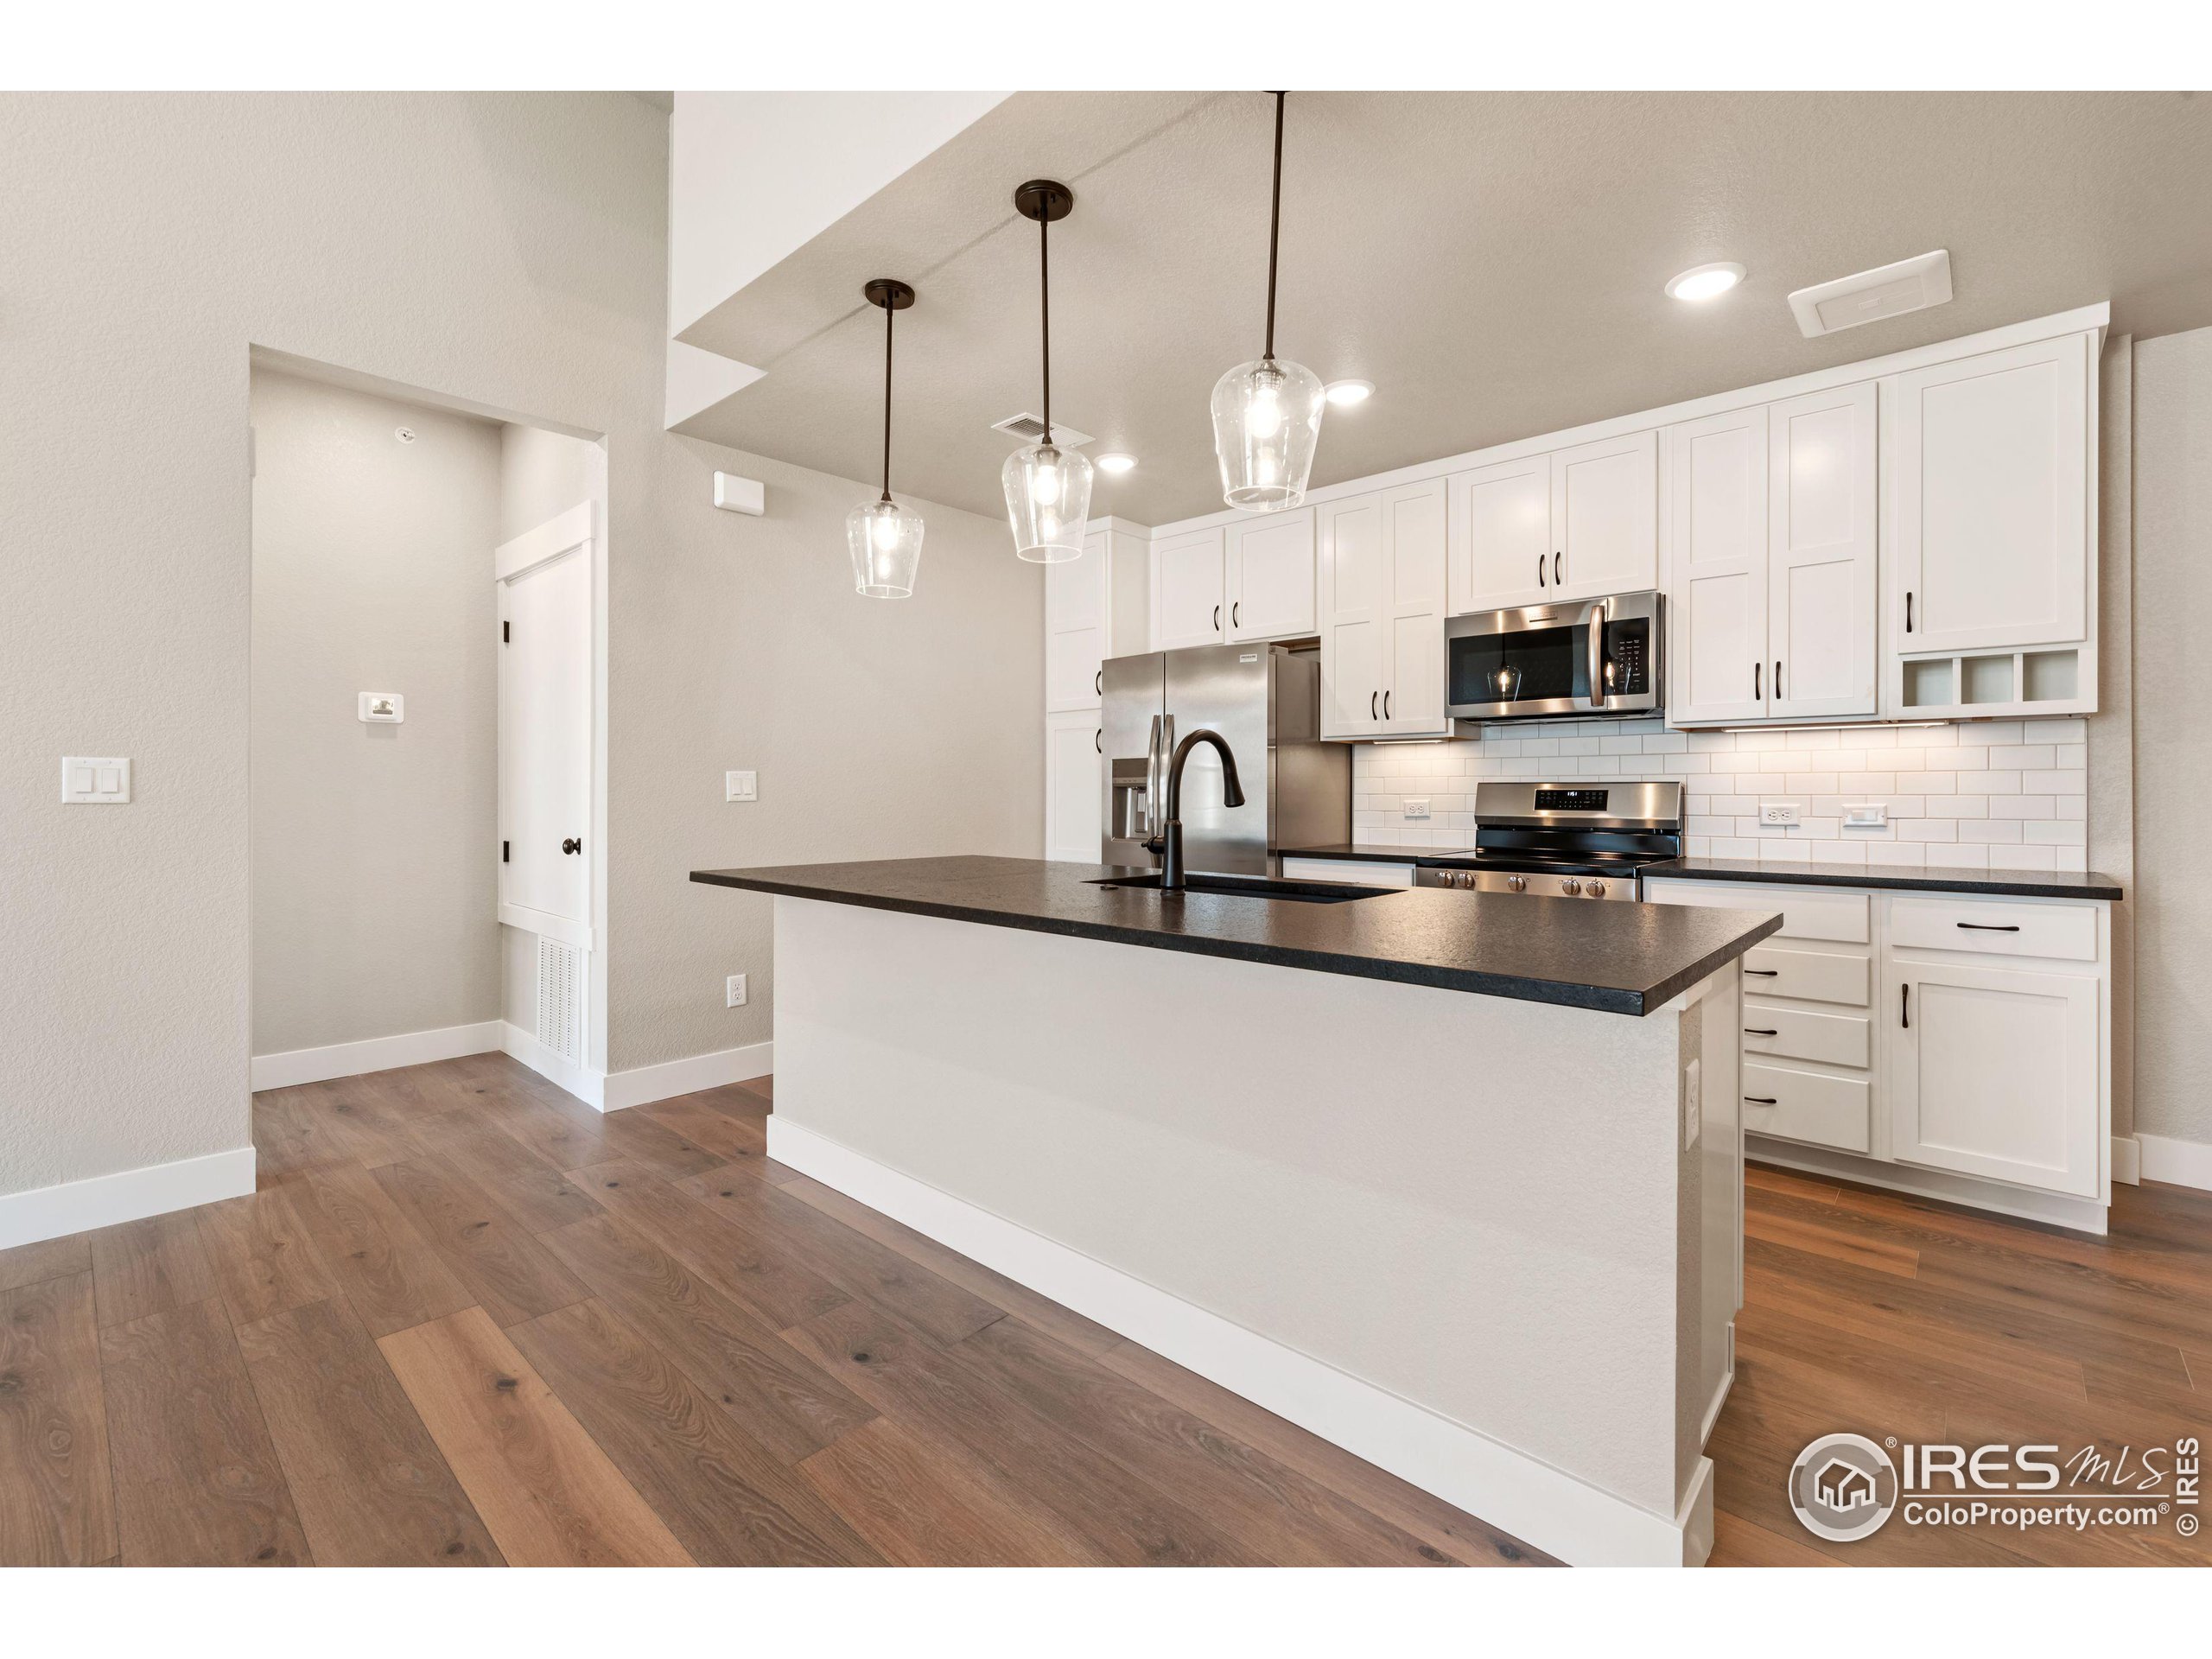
<point>1188,589</point>
<point>1270,573</point>
<point>1094,608</point>
<point>1771,562</point>
<point>1993,503</point>
<point>1382,603</point>
<point>1574,523</point>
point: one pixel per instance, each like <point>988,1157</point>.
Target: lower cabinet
<point>1961,1034</point>
<point>1074,788</point>
<point>1993,1072</point>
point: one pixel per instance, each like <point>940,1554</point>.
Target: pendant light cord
<point>1044,310</point>
<point>889,312</point>
<point>1275,231</point>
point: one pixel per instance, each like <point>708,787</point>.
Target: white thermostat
<point>383,708</point>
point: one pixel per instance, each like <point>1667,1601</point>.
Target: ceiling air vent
<point>1887,291</point>
<point>1028,428</point>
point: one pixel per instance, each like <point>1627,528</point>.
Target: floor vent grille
<point>560,998</point>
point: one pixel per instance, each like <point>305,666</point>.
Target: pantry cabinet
<point>1773,515</point>
<point>1579,523</point>
<point>1383,602</point>
<point>1096,607</point>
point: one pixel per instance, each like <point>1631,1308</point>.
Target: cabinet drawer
<point>1808,976</point>
<point>1806,1106</point>
<point>1806,912</point>
<point>1991,927</point>
<point>1831,1039</point>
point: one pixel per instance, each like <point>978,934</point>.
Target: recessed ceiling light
<point>1705,282</point>
<point>1115,463</point>
<point>1345,393</point>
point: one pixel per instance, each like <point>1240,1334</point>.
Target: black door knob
<point>572,845</point>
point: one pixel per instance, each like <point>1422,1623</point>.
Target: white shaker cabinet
<point>1269,577</point>
<point>1382,588</point>
<point>1606,518</point>
<point>1501,536</point>
<point>1993,503</point>
<point>1190,596</point>
<point>1717,583</point>
<point>1079,600</point>
<point>1414,535</point>
<point>1074,796</point>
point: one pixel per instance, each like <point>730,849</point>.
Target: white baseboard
<point>129,1195</point>
<point>643,1084</point>
<point>2126,1160</point>
<point>299,1065</point>
<point>589,1087</point>
<point>1551,1509</point>
<point>2182,1163</point>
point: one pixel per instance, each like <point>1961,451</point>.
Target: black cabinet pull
<point>1555,575</point>
<point>1753,1030</point>
<point>1759,680</point>
<point>1908,613</point>
<point>1386,705</point>
<point>572,845</point>
<point>1904,1005</point>
<point>1766,973</point>
<point>1098,740</point>
<point>1372,696</point>
<point>1098,682</point>
<point>1992,927</point>
<point>1233,609</point>
<point>1777,676</point>
<point>1540,569</point>
<point>1217,619</point>
<point>1763,1100</point>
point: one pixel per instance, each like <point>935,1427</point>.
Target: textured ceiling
<point>1493,262</point>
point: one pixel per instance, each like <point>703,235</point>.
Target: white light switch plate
<point>734,991</point>
<point>741,786</point>
<point>90,780</point>
<point>382,708</point>
<point>1777,811</point>
<point>1870,815</point>
<point>1417,809</point>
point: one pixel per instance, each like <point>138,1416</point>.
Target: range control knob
<point>1517,884</point>
<point>1570,886</point>
<point>1463,879</point>
<point>1595,889</point>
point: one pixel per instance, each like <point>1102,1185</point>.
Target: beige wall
<point>374,884</point>
<point>2173,759</point>
<point>507,251</point>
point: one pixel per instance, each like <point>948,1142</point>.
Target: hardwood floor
<point>467,1320</point>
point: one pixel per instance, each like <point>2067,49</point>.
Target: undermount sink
<point>1256,887</point>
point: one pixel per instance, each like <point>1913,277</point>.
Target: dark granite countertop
<point>2033,884</point>
<point>1611,959</point>
<point>1376,854</point>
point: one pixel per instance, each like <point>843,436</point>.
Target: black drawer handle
<point>1905,1005</point>
<point>1992,927</point>
<point>1753,1030</point>
<point>1766,973</point>
<point>1762,1100</point>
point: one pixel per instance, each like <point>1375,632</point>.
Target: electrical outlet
<point>1871,815</point>
<point>741,786</point>
<point>734,991</point>
<point>1417,809</point>
<point>1777,811</point>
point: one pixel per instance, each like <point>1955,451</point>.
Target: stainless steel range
<point>1585,840</point>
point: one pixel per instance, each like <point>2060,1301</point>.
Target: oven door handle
<point>1594,627</point>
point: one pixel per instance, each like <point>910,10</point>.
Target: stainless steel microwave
<point>1576,658</point>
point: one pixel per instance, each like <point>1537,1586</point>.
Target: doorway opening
<point>428,821</point>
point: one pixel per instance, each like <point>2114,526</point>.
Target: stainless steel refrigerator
<point>1266,702</point>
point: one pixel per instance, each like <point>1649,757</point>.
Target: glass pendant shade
<point>885,540</point>
<point>1266,420</point>
<point>1047,502</point>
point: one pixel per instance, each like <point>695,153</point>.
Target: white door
<point>1606,518</point>
<point>1821,554</point>
<point>1501,536</point>
<point>1076,600</point>
<point>1353,637</point>
<point>1271,579</point>
<point>1718,580</point>
<point>1994,1072</point>
<point>546,722</point>
<point>1993,499</point>
<point>1190,606</point>
<point>1074,792</point>
<point>1414,559</point>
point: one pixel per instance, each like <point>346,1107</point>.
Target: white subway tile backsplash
<point>1955,793</point>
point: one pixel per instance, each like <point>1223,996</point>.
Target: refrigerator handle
<point>1152,782</point>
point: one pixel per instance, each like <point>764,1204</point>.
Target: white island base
<point>1459,1236</point>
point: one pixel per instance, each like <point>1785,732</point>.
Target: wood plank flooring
<point>466,1320</point>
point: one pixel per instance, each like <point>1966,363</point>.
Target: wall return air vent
<point>1911,284</point>
<point>1028,428</point>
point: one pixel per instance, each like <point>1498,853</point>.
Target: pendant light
<point>1267,415</point>
<point>884,538</point>
<point>1047,488</point>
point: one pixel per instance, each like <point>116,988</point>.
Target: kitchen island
<point>1452,1181</point>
